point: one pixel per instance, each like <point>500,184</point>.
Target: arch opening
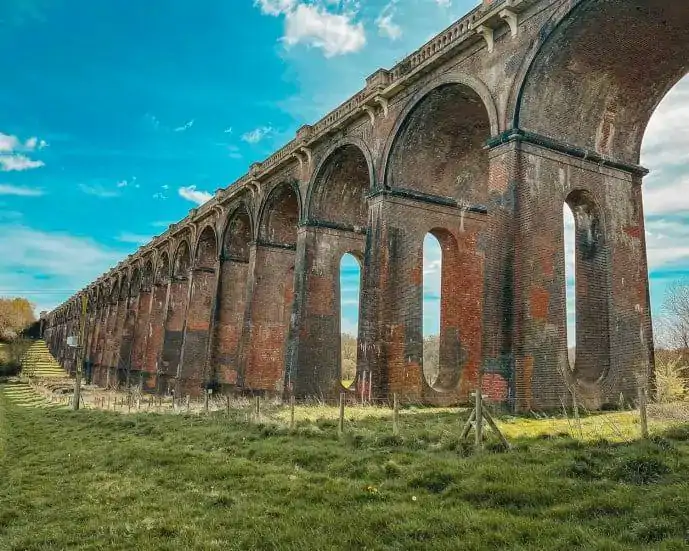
<point>614,60</point>
<point>570,283</point>
<point>591,289</point>
<point>439,148</point>
<point>281,216</point>
<point>238,236</point>
<point>350,299</point>
<point>443,354</point>
<point>339,191</point>
<point>182,265</point>
<point>206,250</point>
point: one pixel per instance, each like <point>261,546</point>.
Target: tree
<point>16,315</point>
<point>674,323</point>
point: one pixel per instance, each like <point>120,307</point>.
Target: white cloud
<point>12,144</point>
<point>122,183</point>
<point>9,163</point>
<point>444,3</point>
<point>186,126</point>
<point>257,134</point>
<point>190,193</point>
<point>7,189</point>
<point>275,7</point>
<point>227,130</point>
<point>386,26</point>
<point>48,267</point>
<point>8,143</point>
<point>314,24</point>
<point>98,190</point>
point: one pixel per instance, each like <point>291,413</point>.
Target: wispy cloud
<point>386,26</point>
<point>233,152</point>
<point>190,193</point>
<point>97,190</point>
<point>48,267</point>
<point>256,135</point>
<point>7,189</point>
<point>186,126</point>
<point>135,238</point>
<point>161,223</point>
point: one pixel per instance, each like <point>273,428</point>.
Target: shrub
<point>670,385</point>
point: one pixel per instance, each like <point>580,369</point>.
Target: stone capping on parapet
<point>481,23</point>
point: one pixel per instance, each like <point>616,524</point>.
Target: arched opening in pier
<point>350,293</point>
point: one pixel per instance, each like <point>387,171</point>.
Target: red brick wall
<point>270,309</point>
<point>156,332</point>
<point>230,320</point>
<point>197,330</point>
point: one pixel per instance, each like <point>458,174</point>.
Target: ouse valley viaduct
<point>479,137</point>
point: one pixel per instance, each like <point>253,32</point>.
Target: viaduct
<point>479,137</point>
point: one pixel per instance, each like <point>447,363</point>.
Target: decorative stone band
<point>314,223</point>
<point>271,245</point>
<point>519,135</point>
<point>428,198</point>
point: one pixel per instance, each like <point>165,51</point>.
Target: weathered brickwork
<point>480,138</point>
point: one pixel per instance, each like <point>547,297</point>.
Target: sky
<point>118,117</point>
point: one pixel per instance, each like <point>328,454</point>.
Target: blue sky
<point>119,116</point>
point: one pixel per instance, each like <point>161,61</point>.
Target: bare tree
<point>673,325</point>
<point>431,358</point>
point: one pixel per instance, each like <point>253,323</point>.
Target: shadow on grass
<point>203,482</point>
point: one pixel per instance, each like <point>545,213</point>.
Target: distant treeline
<point>16,318</point>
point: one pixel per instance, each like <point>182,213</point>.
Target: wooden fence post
<point>291,412</point>
<point>479,419</point>
<point>340,424</point>
<point>395,415</point>
<point>643,411</point>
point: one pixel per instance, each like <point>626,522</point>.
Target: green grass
<point>102,480</point>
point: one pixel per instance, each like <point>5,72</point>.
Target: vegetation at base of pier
<point>102,480</point>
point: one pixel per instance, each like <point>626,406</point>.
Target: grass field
<point>103,480</point>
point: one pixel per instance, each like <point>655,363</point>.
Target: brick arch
<point>341,181</point>
<point>181,265</point>
<point>115,289</point>
<point>238,233</point>
<point>135,281</point>
<point>437,146</point>
<point>162,271</point>
<point>206,252</point>
<point>599,71</point>
<point>147,274</point>
<point>280,215</point>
